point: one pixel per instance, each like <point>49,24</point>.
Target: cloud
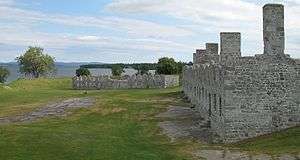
<point>192,10</point>
<point>128,35</point>
<point>88,38</point>
<point>130,26</point>
<point>7,2</point>
<point>211,17</point>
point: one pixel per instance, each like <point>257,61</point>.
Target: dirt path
<point>53,109</point>
<point>185,123</point>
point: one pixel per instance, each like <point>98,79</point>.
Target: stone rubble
<point>54,109</point>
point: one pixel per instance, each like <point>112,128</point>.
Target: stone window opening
<point>214,76</point>
<point>209,105</point>
<point>200,93</point>
<point>215,102</point>
<point>220,105</point>
<point>203,95</point>
<point>281,75</point>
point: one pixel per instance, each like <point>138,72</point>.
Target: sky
<point>134,31</point>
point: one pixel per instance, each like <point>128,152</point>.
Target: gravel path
<point>183,122</point>
<point>53,109</point>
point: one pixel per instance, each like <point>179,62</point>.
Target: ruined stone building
<point>244,97</point>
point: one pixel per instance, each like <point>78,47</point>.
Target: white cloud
<point>214,16</point>
<point>198,22</point>
<point>6,2</point>
<point>194,10</point>
<point>88,38</point>
<point>130,26</point>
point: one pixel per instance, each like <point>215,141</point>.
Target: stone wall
<point>262,97</point>
<point>135,81</point>
<point>256,97</point>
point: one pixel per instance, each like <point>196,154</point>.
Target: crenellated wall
<point>257,96</point>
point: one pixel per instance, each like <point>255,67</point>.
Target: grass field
<point>122,125</point>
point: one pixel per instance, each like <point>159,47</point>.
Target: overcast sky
<point>134,30</point>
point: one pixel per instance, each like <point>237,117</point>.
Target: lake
<point>63,70</point>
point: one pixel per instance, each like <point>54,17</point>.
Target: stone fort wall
<point>135,81</point>
<point>244,97</point>
<point>257,97</point>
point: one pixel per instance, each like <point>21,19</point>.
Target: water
<point>63,70</point>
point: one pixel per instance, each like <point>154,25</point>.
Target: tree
<point>35,63</point>
<point>167,66</point>
<point>4,73</point>
<point>180,66</point>
<point>142,68</point>
<point>117,70</point>
<point>83,72</point>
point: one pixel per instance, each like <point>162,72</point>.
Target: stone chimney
<point>212,48</point>
<point>274,37</point>
<point>230,46</point>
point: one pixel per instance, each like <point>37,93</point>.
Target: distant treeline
<point>150,66</point>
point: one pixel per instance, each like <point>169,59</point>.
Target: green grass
<point>25,95</point>
<point>121,125</point>
<point>287,141</point>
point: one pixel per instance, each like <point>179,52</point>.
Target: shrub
<point>82,72</point>
<point>4,73</point>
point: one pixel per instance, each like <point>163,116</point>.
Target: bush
<point>82,72</point>
<point>4,73</point>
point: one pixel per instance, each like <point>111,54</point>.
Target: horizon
<point>130,31</point>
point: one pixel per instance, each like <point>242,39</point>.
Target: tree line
<point>165,65</point>
<point>35,63</point>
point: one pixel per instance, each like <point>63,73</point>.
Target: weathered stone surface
<point>198,56</point>
<point>230,47</point>
<point>261,157</point>
<point>207,55</point>
<point>251,96</point>
<point>135,81</point>
<point>54,109</point>
<point>182,122</point>
<point>274,39</point>
<point>222,155</point>
<point>287,157</point>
